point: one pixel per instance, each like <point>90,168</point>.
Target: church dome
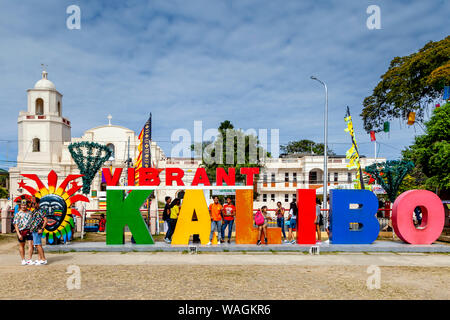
<point>44,83</point>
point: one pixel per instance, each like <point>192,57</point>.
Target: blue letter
<point>342,216</point>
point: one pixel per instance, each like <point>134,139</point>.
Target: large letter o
<point>433,216</point>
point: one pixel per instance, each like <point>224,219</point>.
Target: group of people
<point>222,217</point>
<point>29,223</point>
<point>262,217</point>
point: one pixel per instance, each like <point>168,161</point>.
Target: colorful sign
<point>56,201</point>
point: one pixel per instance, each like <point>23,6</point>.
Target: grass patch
<point>226,250</point>
<point>184,252</point>
<point>123,252</point>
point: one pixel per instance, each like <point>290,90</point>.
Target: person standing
<point>215,211</point>
<point>37,224</point>
<point>293,211</point>
<point>102,223</point>
<point>229,212</point>
<point>262,228</point>
<point>22,226</point>
<point>319,220</point>
<point>173,218</point>
<point>166,217</point>
<point>280,219</point>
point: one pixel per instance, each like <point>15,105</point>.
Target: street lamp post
<point>325,151</point>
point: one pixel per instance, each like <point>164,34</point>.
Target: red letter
<point>149,177</point>
<point>306,227</point>
<point>170,177</point>
<point>222,176</point>
<point>131,177</point>
<point>433,216</point>
<point>201,177</point>
<point>249,172</point>
<point>114,180</point>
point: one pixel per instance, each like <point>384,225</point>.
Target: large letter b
<point>342,216</point>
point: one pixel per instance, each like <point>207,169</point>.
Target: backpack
<point>259,218</point>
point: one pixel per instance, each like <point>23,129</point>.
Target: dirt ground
<point>140,278</point>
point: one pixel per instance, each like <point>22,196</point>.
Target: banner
<point>353,153</point>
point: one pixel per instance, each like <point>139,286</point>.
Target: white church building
<point>44,135</point>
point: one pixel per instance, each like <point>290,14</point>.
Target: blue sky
<point>248,61</point>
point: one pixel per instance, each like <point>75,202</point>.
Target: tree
<point>410,84</point>
<point>4,194</point>
<point>215,160</point>
<point>305,146</point>
<point>431,151</point>
<point>390,175</point>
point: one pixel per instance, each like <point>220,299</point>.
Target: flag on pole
<point>446,92</point>
<point>372,136</point>
<point>353,154</point>
<point>144,159</point>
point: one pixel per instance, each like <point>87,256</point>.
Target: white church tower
<point>42,128</point>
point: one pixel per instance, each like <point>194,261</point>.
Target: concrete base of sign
<point>377,246</point>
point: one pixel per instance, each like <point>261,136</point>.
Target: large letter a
<point>193,200</point>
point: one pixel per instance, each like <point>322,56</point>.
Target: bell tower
<point>42,128</point>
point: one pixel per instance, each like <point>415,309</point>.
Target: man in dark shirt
<point>166,217</point>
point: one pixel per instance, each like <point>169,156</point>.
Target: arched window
<point>39,107</point>
<point>103,186</point>
<point>59,109</point>
<point>36,145</point>
<point>111,147</point>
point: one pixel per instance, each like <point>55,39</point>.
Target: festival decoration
<point>194,201</point>
<point>390,175</point>
<point>144,158</point>
<point>306,203</point>
<point>89,157</point>
<point>433,217</point>
<point>446,93</point>
<point>353,153</point>
<point>245,232</point>
<point>123,211</point>
<point>386,126</point>
<point>411,118</point>
<point>342,216</point>
<point>56,201</point>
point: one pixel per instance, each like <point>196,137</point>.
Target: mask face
<point>55,208</point>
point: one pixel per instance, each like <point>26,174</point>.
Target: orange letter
<point>245,232</point>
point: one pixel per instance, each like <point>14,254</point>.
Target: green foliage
<point>89,157</point>
<point>431,151</point>
<point>390,175</point>
<point>212,160</point>
<point>305,146</point>
<point>410,84</point>
<point>4,194</point>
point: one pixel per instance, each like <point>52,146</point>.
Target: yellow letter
<point>193,200</point>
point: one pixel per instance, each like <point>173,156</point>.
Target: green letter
<point>123,211</point>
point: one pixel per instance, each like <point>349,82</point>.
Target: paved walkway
<point>230,259</point>
<point>377,246</point>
